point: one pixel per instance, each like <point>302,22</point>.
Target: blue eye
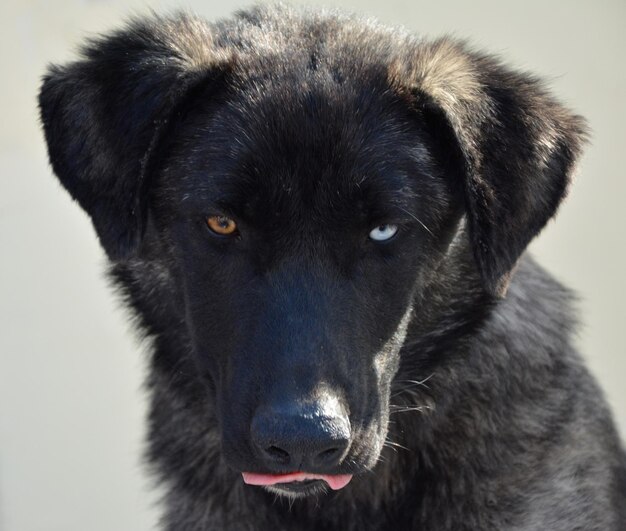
<point>383,232</point>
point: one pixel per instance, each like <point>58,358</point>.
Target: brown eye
<point>221,225</point>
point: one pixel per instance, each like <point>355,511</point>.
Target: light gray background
<point>71,404</point>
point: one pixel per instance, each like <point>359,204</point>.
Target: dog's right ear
<point>104,116</point>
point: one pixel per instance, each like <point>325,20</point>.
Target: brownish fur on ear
<point>518,145</point>
<point>104,116</point>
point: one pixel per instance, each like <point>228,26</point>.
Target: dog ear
<point>516,147</point>
<point>104,116</point>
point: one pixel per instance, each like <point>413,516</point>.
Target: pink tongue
<point>334,482</point>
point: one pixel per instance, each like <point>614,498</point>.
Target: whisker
<point>385,444</point>
<point>380,459</point>
<point>416,219</point>
<point>420,382</point>
<point>408,386</point>
<point>395,445</point>
<point>404,409</point>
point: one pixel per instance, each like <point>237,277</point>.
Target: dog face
<point>298,309</point>
<point>296,200</point>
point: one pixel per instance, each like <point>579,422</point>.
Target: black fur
<point>437,366</point>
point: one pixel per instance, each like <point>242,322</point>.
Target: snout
<point>312,436</point>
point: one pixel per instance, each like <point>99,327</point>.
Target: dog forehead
<point>299,135</point>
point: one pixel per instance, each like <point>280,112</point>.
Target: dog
<point>321,225</point>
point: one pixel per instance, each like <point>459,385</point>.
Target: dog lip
<point>335,482</point>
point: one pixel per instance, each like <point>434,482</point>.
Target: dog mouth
<point>297,484</point>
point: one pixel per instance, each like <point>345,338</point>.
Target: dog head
<point>285,189</point>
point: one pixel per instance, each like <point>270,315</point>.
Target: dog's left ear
<point>515,146</point>
<point>104,116</point>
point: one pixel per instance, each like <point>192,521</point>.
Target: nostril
<point>330,456</point>
<point>277,454</point>
<point>331,452</point>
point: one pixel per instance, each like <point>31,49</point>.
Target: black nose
<point>313,436</point>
